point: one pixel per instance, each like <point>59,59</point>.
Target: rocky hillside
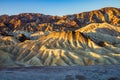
<point>38,22</point>
<point>88,38</point>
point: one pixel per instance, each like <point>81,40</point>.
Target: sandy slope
<point>88,38</point>
<point>94,44</point>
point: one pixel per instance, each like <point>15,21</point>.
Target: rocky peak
<point>31,21</point>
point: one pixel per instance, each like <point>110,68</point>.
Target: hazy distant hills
<point>88,38</point>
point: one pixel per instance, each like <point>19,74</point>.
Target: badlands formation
<point>88,38</point>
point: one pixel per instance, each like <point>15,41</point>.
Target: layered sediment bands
<point>67,48</point>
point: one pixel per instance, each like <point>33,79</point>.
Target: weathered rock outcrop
<point>95,44</point>
<point>38,22</point>
<point>89,38</point>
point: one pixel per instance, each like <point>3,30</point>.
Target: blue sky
<point>54,7</point>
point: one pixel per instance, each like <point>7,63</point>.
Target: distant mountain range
<point>88,38</point>
<point>33,22</point>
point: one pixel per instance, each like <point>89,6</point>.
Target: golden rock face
<point>39,22</point>
<point>95,40</point>
<point>86,46</point>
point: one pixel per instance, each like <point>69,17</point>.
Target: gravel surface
<point>98,72</point>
